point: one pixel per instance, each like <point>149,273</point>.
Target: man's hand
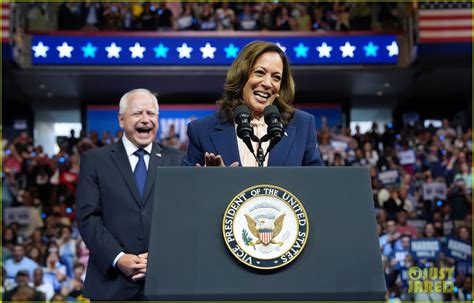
<point>132,265</point>
<point>142,272</point>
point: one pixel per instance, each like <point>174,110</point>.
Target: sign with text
<point>458,249</point>
<point>103,118</point>
<point>407,157</point>
<point>389,177</point>
<point>425,248</point>
<point>20,215</point>
<point>448,227</point>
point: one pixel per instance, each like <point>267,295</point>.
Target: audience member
<point>225,16</point>
<point>38,283</point>
<point>23,291</point>
<point>19,262</point>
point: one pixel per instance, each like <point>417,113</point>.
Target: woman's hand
<point>210,159</point>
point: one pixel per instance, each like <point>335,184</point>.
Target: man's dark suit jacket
<point>113,218</point>
<point>298,147</point>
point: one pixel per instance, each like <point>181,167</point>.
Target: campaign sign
<point>103,118</point>
<point>448,227</point>
<point>389,177</point>
<point>435,190</point>
<point>400,255</point>
<point>458,249</point>
<point>339,146</point>
<point>20,215</point>
<point>407,157</point>
<point>425,248</point>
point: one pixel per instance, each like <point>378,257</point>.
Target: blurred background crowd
<point>221,16</point>
<point>45,241</point>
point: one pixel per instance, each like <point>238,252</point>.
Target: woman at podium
<point>255,124</point>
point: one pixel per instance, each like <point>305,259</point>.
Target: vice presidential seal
<point>265,227</point>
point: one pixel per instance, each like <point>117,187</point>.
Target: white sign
<point>435,190</point>
<point>339,146</point>
<point>407,157</point>
<point>20,215</point>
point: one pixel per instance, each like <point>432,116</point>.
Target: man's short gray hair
<point>124,100</point>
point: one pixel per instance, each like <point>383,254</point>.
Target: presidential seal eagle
<point>265,229</point>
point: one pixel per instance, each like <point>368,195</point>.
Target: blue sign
<point>105,118</point>
<point>458,250</point>
<point>399,255</point>
<point>425,249</point>
<point>389,177</point>
<point>332,114</point>
<point>133,50</point>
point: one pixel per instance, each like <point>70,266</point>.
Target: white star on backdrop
<point>347,50</point>
<point>137,50</point>
<point>40,50</point>
<point>324,50</point>
<point>65,50</point>
<point>208,51</point>
<point>392,49</point>
<point>184,51</point>
<point>113,51</point>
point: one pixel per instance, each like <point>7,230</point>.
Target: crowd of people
<point>45,258</point>
<point>43,255</point>
<point>222,16</point>
<point>404,164</point>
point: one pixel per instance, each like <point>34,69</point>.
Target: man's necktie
<point>140,171</point>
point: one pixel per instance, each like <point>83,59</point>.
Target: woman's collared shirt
<point>246,157</point>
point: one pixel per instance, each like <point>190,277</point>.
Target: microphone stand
<point>260,156</point>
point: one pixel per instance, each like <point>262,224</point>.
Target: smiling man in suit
<point>115,201</point>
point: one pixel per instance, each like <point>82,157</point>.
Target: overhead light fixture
<point>379,93</point>
<point>386,84</point>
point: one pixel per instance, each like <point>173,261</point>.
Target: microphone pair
<point>271,116</point>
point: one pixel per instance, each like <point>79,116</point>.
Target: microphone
<point>275,129</point>
<point>244,129</point>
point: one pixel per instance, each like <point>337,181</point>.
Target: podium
<point>189,258</point>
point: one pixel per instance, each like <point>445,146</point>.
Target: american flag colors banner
<point>142,50</point>
<point>441,22</point>
<point>5,19</point>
